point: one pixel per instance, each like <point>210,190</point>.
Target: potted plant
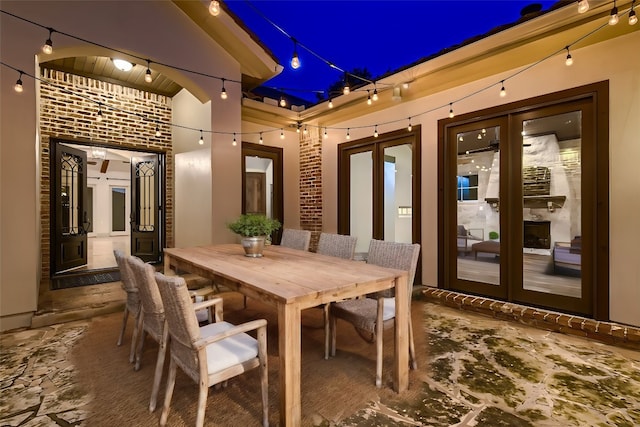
<point>253,230</point>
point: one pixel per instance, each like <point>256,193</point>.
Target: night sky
<point>380,36</point>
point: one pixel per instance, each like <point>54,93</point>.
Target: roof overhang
<point>257,63</point>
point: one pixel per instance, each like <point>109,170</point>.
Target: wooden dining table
<point>292,280</point>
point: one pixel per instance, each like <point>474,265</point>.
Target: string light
<point>47,47</point>
<point>298,128</point>
<point>223,92</point>
<point>261,141</point>
<point>633,19</point>
<point>375,131</point>
<point>569,61</point>
<point>368,98</point>
<point>346,89</point>
<point>283,102</point>
<point>613,18</point>
<point>99,114</point>
<point>375,94</point>
<point>147,75</point>
<point>409,128</point>
<point>158,130</point>
<point>295,60</point>
<point>304,132</point>
<point>18,86</point>
<point>503,91</point>
<point>326,135</point>
<point>234,143</point>
<point>214,8</point>
<point>201,140</point>
<point>330,105</point>
<point>583,6</point>
<point>281,133</point>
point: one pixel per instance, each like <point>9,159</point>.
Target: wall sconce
<point>550,206</point>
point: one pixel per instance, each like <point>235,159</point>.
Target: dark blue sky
<point>378,35</point>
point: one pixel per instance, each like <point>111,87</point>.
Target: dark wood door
<point>70,222</point>
<point>145,208</point>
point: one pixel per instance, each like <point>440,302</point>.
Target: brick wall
<point>66,112</point>
<point>311,183</point>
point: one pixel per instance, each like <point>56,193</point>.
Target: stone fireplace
<point>537,234</point>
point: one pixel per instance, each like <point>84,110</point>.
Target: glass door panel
<point>477,195</point>
<point>361,199</point>
<point>398,193</point>
<point>552,214</point>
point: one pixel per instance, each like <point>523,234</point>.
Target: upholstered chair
<point>210,354</point>
<point>370,315</point>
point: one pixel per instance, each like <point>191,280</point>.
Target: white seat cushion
<point>389,310</point>
<point>229,351</point>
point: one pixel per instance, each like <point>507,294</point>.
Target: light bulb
<point>330,105</point>
<point>409,128</point>
<point>18,86</point>
<point>305,130</point>
<point>633,19</point>
<point>214,8</point>
<point>295,61</point>
<point>281,134</point>
<point>375,94</point>
<point>283,102</point>
<point>569,61</point>
<point>47,47</point>
<point>99,116</point>
<point>346,89</point>
<point>583,6</point>
<point>261,140</point>
<point>201,140</point>
<point>298,128</point>
<point>613,19</point>
<point>223,92</point>
<point>451,111</point>
<point>369,100</point>
<point>234,143</point>
<point>326,135</point>
<point>348,136</point>
<point>375,131</point>
<point>147,76</point>
<point>503,91</point>
<point>158,131</point>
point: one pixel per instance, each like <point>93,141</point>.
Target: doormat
<point>85,279</point>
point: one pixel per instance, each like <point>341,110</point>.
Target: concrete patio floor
<point>477,371</point>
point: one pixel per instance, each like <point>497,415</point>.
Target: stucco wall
<point>138,27</point>
<point>611,60</point>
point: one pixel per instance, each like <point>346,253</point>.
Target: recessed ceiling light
<point>122,65</point>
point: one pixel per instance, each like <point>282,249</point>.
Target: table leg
<point>167,265</point>
<point>290,360</point>
<point>401,360</point>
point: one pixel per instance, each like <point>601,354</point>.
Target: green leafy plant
<point>250,225</point>
<point>493,235</point>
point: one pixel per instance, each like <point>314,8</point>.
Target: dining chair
<point>152,319</point>
<point>340,246</point>
<point>296,239</point>
<point>132,304</point>
<point>150,322</point>
<point>372,314</point>
<point>210,354</point>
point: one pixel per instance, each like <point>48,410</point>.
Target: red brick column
<point>311,183</point>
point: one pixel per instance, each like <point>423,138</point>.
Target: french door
<point>379,188</point>
<point>523,203</point>
<point>146,208</point>
<point>69,216</point>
